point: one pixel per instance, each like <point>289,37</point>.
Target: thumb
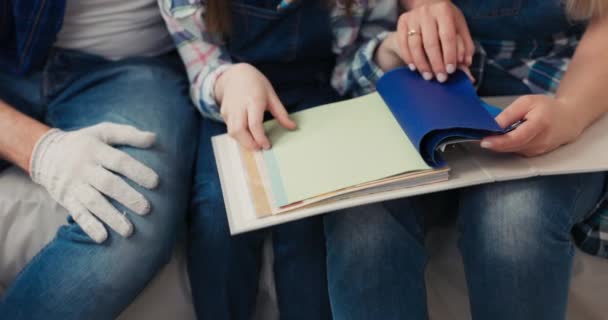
<point>278,111</point>
<point>515,112</point>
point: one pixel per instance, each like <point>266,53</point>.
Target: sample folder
<point>378,147</point>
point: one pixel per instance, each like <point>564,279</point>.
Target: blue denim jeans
<point>73,277</point>
<point>224,269</point>
<point>515,236</point>
<point>515,244</point>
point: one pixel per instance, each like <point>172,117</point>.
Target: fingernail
<point>442,77</point>
<point>469,60</point>
<point>450,68</point>
<point>412,66</point>
<point>486,144</point>
<point>427,76</point>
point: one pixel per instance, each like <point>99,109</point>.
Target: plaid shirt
<point>592,234</point>
<point>355,41</point>
<point>540,66</point>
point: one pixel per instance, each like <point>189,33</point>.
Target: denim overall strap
<point>291,47</point>
<point>531,25</point>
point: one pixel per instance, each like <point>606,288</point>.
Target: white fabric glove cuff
<point>41,147</point>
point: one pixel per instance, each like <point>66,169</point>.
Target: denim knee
<point>122,262</point>
<point>367,233</point>
<point>514,221</point>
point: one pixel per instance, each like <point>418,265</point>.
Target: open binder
<point>410,138</point>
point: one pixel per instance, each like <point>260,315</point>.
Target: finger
<point>515,112</point>
<point>102,209</point>
<point>116,188</point>
<point>467,71</point>
<point>461,49</point>
<point>278,111</point>
<point>119,134</point>
<point>91,226</point>
<point>418,54</point>
<point>402,42</point>
<point>515,140</point>
<point>432,48</point>
<point>462,29</point>
<point>238,128</point>
<point>122,163</point>
<point>255,118</point>
<point>449,44</point>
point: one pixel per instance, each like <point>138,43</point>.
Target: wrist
<point>218,87</point>
<point>21,153</point>
<point>387,56</point>
<point>224,77</point>
<point>19,136</point>
<point>578,120</point>
<point>39,149</point>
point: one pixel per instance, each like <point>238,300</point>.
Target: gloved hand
<point>77,169</point>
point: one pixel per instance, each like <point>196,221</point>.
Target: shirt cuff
<point>365,70</point>
<point>207,98</point>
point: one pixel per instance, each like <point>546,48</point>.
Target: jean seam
<point>574,205</point>
<point>420,234</point>
<point>571,217</point>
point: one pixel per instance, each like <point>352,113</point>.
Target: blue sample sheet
<point>432,113</point>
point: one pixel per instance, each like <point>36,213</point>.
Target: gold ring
<point>412,32</point>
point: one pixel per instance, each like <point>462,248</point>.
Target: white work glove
<point>77,169</point>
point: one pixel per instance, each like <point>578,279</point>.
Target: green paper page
<point>337,146</point>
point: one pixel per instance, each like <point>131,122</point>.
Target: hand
<point>77,169</point>
<point>549,124</point>
<point>245,95</point>
<point>440,42</point>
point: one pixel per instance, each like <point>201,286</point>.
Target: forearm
<point>584,86</point>
<point>19,135</point>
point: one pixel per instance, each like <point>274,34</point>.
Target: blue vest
<point>28,29</point>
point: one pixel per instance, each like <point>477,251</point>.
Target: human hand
<point>549,123</point>
<point>78,168</point>
<point>433,38</point>
<point>245,95</point>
